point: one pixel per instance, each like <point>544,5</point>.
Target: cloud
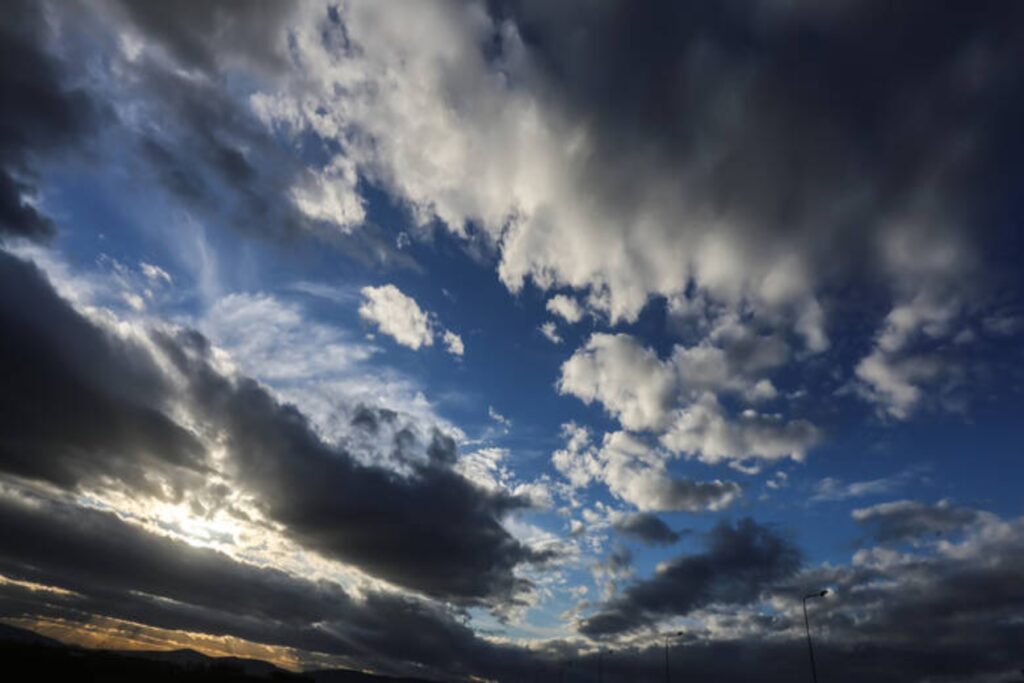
<point>740,562</point>
<point>499,418</point>
<point>629,380</point>
<point>453,343</point>
<point>110,567</point>
<point>429,529</point>
<point>565,307</point>
<point>904,520</point>
<point>641,391</point>
<point>647,528</point>
<point>734,177</point>
<point>714,169</point>
<point>832,489</point>
<point>703,429</point>
<point>400,317</point>
<point>397,316</point>
<point>83,411</point>
<point>43,117</point>
<point>896,384</point>
<point>550,331</point>
<point>636,474</point>
<point>155,274</point>
<point>210,36</point>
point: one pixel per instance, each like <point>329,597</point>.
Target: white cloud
<point>397,316</point>
<point>453,343</point>
<point>566,307</point>
<point>832,489</point>
<point>932,289</point>
<point>400,317</point>
<point>331,195</point>
<point>636,473</point>
<point>466,136</point>
<point>461,137</point>
<point>627,379</point>
<point>499,418</point>
<point>317,367</point>
<point>702,429</point>
<point>677,398</point>
<point>274,340</point>
<point>894,383</point>
<point>550,331</point>
<point>155,273</point>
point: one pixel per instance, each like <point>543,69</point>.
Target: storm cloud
<point>116,569</point>
<point>99,409</point>
<point>42,116</point>
<point>741,561</point>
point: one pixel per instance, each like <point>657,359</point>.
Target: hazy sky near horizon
<point>464,338</point>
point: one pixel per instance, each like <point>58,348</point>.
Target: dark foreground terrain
<point>27,656</point>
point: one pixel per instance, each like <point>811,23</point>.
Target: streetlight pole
<point>668,678</point>
<point>807,627</point>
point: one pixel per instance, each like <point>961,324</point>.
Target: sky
<point>489,339</point>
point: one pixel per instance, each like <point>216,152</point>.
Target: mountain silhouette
<point>29,656</point>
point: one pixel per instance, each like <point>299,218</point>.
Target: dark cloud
<point>647,528</point>
<point>431,530</point>
<point>41,116</point>
<point>85,410</point>
<point>931,615</point>
<point>119,570</point>
<point>96,409</point>
<point>205,35</point>
<point>741,561</point>
<point>952,616</point>
<point>907,520</point>
<point>961,605</point>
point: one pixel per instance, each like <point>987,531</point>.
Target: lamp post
<point>667,636</point>
<point>807,627</point>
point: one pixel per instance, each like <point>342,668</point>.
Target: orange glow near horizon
<point>115,634</point>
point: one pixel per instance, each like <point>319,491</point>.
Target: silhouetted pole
<point>668,677</point>
<point>807,626</point>
<point>600,678</point>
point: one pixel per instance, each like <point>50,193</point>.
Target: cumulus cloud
<point>777,178</point>
<point>396,315</point>
<point>401,318</point>
<point>630,381</point>
<point>642,392</point>
<point>636,473</point>
<point>702,428</point>
<point>453,343</point>
<point>566,307</point>
<point>550,332</point>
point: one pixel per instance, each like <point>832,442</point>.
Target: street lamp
<point>807,626</point>
<point>667,636</point>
